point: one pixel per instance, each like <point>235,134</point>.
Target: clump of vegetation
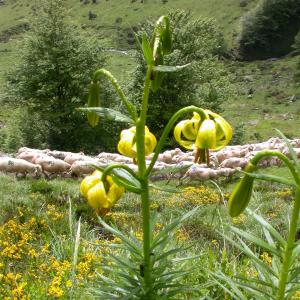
<point>50,81</point>
<point>269,29</point>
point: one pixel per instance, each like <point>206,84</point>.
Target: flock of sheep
<point>171,163</point>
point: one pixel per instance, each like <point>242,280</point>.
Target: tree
<point>269,29</point>
<point>57,61</point>
<point>204,83</point>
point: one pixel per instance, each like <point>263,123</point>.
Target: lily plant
<point>146,271</point>
<point>278,280</point>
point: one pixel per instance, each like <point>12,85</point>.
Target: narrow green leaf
<point>247,251</point>
<point>107,113</point>
<point>256,291</point>
<point>168,228</point>
<point>165,188</point>
<point>291,149</point>
<point>131,246</point>
<point>257,241</point>
<point>268,226</point>
<point>271,178</point>
<point>167,69</point>
<point>147,50</point>
<point>236,291</point>
<point>125,179</point>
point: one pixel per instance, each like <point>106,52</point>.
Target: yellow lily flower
<point>212,133</point>
<point>100,197</point>
<point>223,130</point>
<point>127,143</point>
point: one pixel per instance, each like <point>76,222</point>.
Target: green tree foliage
<point>269,29</point>
<point>204,83</point>
<point>50,82</point>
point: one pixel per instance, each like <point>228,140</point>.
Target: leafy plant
<point>276,259</point>
<point>269,29</point>
<point>146,269</point>
<point>204,82</point>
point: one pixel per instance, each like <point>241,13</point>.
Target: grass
<point>39,221</point>
<point>273,87</point>
<point>271,81</point>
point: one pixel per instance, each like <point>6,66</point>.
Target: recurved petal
<point>87,183</point>
<point>179,137</point>
<point>223,130</point>
<point>150,142</point>
<point>114,194</point>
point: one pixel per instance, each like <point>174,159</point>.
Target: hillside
<point>267,96</point>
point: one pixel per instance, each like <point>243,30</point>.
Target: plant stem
<point>141,160</point>
<point>289,248</point>
<point>129,106</point>
<point>255,160</point>
<point>146,238</point>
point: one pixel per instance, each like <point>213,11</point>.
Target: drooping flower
<point>127,143</point>
<point>212,133</point>
<point>100,195</point>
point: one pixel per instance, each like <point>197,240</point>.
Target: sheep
<point>15,165</point>
<point>23,149</point>
<point>234,162</point>
<point>62,154</point>
<point>84,167</point>
<point>52,165</point>
<point>72,157</point>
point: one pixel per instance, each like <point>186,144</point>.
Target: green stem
<point>289,248</point>
<point>141,160</point>
<point>255,160</point>
<point>129,106</point>
<point>169,127</point>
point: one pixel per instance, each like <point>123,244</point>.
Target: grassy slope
<point>268,108</point>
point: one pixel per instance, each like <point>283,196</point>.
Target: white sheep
<point>52,165</point>
<point>19,166</point>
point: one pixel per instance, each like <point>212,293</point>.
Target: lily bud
<point>166,40</point>
<point>127,143</point>
<point>241,195</point>
<point>93,101</point>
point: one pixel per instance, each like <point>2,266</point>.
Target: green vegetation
<point>197,42</point>
<point>50,81</point>
<point>269,29</point>
<point>42,210</point>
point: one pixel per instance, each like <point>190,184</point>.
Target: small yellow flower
<point>69,283</point>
